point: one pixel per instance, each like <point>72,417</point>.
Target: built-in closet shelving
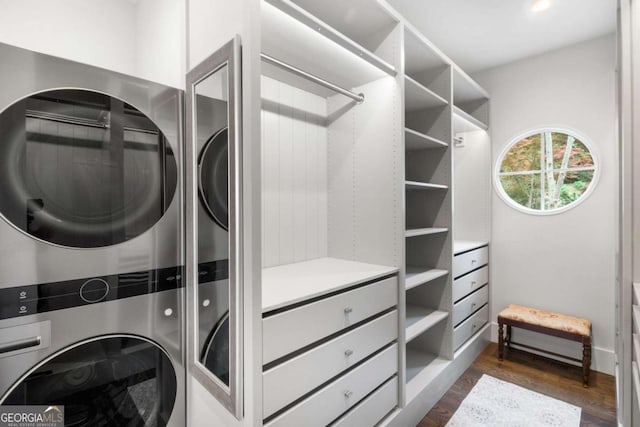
<point>358,192</point>
<point>331,203</point>
<point>428,215</point>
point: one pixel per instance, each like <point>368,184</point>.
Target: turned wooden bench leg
<point>500,341</point>
<point>586,360</point>
<point>508,336</point>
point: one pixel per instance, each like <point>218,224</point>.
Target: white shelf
<point>422,369</point>
<point>419,97</point>
<point>636,293</point>
<point>424,231</point>
<point>294,36</point>
<point>460,246</point>
<point>366,22</point>
<point>420,54</point>
<point>636,347</point>
<point>293,283</point>
<point>465,89</point>
<point>414,140</point>
<point>415,185</point>
<point>474,123</point>
<point>420,319</point>
<point>636,319</point>
<point>416,276</point>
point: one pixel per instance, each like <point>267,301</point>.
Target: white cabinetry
<point>471,290</point>
<point>326,354</point>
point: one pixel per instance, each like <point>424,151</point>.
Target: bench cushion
<point>547,319</point>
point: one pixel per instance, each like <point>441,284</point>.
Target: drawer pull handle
<point>473,261</point>
<point>348,394</point>
<point>348,353</point>
<point>473,283</point>
<point>473,304</point>
<point>348,310</point>
<point>474,326</point>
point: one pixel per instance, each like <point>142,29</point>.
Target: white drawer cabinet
<point>468,261</point>
<point>293,329</point>
<point>371,410</point>
<point>464,285</point>
<point>465,307</point>
<point>466,329</point>
<point>330,402</point>
<point>296,377</point>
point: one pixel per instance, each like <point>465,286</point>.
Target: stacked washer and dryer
<point>91,243</point>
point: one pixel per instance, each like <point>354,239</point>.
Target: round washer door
<point>110,381</point>
<point>216,350</point>
<point>213,167</point>
<point>83,169</point>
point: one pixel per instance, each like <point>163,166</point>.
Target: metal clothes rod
<point>358,97</point>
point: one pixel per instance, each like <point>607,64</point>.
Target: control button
<point>168,312</point>
<point>18,295</point>
<point>94,290</point>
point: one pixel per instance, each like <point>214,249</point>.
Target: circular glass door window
<point>83,169</point>
<point>213,168</point>
<point>111,381</point>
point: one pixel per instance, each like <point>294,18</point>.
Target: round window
<point>546,171</point>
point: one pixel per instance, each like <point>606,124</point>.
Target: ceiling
<point>480,34</point>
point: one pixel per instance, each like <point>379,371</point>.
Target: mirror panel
<point>213,184</point>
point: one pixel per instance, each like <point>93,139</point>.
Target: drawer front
<point>466,329</point>
<point>291,330</point>
<point>370,411</point>
<point>465,307</point>
<point>471,260</point>
<point>333,400</point>
<point>469,283</point>
<point>294,378</point>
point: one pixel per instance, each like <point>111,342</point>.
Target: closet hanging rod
<point>358,97</point>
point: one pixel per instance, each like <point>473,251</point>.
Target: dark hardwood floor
<point>546,376</point>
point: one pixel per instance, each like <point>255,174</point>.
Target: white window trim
<point>511,203</point>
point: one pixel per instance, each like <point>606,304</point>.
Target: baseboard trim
<point>602,359</point>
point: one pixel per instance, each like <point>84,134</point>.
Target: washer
<point>90,242</point>
<point>213,236</point>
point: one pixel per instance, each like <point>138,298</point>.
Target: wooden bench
<point>545,322</point>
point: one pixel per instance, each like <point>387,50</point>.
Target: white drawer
<point>471,260</point>
<point>291,330</point>
<point>370,411</point>
<point>466,329</point>
<point>469,283</point>
<point>465,307</point>
<point>292,379</point>
<point>333,400</point>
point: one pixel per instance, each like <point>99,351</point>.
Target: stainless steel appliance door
<point>213,178</point>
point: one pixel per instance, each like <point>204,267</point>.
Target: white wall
<point>161,41</point>
<point>95,32</point>
<point>563,262</point>
<point>144,39</point>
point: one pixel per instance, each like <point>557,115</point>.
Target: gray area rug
<point>497,403</point>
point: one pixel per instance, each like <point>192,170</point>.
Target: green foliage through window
<point>546,170</point>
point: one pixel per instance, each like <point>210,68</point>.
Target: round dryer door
<point>83,169</point>
<point>213,167</point>
<point>111,381</point>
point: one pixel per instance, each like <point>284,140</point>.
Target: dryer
<point>90,242</point>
